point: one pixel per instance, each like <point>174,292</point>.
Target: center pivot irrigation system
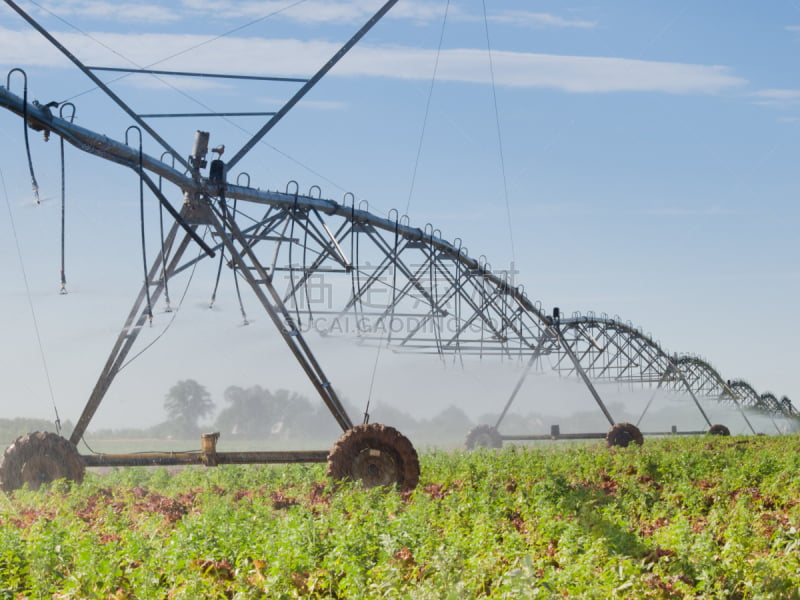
<point>386,282</point>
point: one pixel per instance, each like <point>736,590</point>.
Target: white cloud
<point>164,82</point>
<point>702,211</point>
<point>308,12</point>
<point>578,74</point>
<point>778,98</point>
<point>111,11</point>
<point>425,11</point>
<point>581,74</point>
<point>530,19</point>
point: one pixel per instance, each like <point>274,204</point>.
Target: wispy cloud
<point>522,18</point>
<point>308,12</point>
<point>778,98</point>
<point>713,210</point>
<point>136,12</point>
<point>579,74</point>
<point>576,74</point>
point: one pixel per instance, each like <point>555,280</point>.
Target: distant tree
<point>391,415</point>
<point>186,403</point>
<point>256,413</point>
<point>452,420</point>
<point>250,414</point>
<point>294,412</point>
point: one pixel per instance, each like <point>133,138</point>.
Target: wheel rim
<point>375,468</point>
<point>483,436</point>
<point>484,440</point>
<point>39,471</point>
<point>623,438</point>
<point>719,430</point>
<point>37,459</point>
<point>623,434</point>
<point>375,455</point>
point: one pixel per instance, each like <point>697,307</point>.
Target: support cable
<point>225,219</point>
<point>171,56</point>
<point>164,276</point>
<point>30,305</point>
<point>499,136</point>
<point>219,270</point>
<point>63,273</point>
<point>293,217</point>
<point>245,321</point>
<point>457,308</point>
<point>169,323</point>
<point>141,220</point>
<point>435,298</point>
<point>391,318</point>
<point>306,275</point>
<point>168,306</point>
<point>427,107</point>
<point>219,274</point>
<point>34,183</point>
<point>357,272</point>
<point>354,258</point>
<point>394,275</point>
<point>63,289</point>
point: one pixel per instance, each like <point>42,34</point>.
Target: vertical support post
<point>128,335</point>
<point>231,235</point>
<point>556,328</point>
<point>732,394</point>
<point>536,353</point>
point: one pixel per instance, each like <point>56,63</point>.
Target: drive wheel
<point>376,455</point>
<point>622,434</point>
<point>483,436</point>
<point>719,430</point>
<point>37,459</point>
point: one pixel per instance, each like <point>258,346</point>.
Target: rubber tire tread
<point>613,435</point>
<point>719,430</point>
<point>479,431</point>
<point>379,437</point>
<point>61,452</point>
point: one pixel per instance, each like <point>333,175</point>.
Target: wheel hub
<point>39,471</point>
<point>375,468</point>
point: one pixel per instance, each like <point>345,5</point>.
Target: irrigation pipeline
<point>89,141</point>
<point>578,332</point>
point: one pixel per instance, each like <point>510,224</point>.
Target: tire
<point>376,455</point>
<point>719,430</point>
<point>483,436</point>
<point>37,459</point>
<point>622,434</point>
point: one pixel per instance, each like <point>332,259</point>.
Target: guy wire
<point>30,304</point>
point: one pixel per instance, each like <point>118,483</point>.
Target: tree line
<point>253,413</point>
<point>248,413</point>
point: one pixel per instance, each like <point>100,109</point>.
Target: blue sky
<point>648,169</point>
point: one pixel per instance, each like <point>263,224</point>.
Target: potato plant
<point>705,517</point>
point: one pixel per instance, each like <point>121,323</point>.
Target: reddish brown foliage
<point>648,529</point>
<point>281,500</point>
<point>215,569</point>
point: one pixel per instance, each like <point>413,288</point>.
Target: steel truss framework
<point>337,268</point>
<point>611,350</point>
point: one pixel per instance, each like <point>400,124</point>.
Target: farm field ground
<point>705,517</point>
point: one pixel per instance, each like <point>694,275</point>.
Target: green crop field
<point>675,518</point>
